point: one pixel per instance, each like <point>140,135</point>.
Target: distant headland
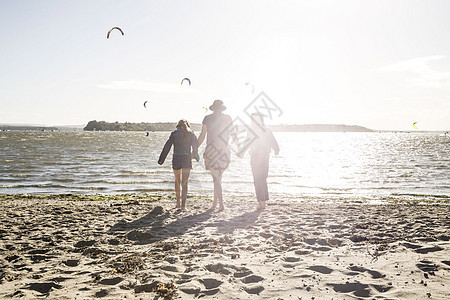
<point>28,127</point>
<point>169,126</point>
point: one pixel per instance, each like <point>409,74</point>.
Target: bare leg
<point>184,187</point>
<point>217,178</point>
<point>177,174</point>
<point>215,190</point>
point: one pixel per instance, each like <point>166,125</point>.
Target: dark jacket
<point>181,145</point>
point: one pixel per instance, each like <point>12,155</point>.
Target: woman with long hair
<point>183,140</point>
<point>217,128</point>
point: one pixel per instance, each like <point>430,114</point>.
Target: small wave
<point>47,185</point>
<point>422,195</point>
<point>63,180</point>
<point>21,175</point>
<point>96,188</point>
<point>131,182</point>
<point>145,190</point>
<point>12,186</point>
<point>123,182</point>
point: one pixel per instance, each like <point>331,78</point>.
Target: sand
<point>140,247</point>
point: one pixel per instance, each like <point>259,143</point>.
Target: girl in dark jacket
<point>182,139</point>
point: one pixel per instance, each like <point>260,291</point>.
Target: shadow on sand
<point>159,225</point>
<point>238,222</point>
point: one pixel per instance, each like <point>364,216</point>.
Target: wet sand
<point>140,247</point>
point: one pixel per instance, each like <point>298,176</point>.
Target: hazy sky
<point>379,64</point>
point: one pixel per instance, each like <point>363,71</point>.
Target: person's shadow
<point>152,227</point>
<point>239,222</point>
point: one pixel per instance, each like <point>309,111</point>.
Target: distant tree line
<point>127,126</point>
<point>28,127</point>
<point>169,126</point>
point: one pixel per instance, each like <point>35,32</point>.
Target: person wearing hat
<point>217,128</point>
<point>260,141</point>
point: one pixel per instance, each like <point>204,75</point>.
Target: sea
<point>372,166</point>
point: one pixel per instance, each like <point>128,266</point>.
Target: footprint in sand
<point>358,289</point>
<point>427,266</point>
<point>171,268</point>
<point>254,290</point>
<point>45,287</point>
<point>291,259</point>
<point>265,235</point>
<point>322,249</point>
<point>242,272</point>
<point>321,269</point>
<point>71,262</point>
<point>38,251</point>
<point>211,283</point>
<point>138,235</point>
<point>443,237</point>
<point>220,268</point>
<point>13,258</point>
<point>374,274</point>
<point>172,259</point>
<point>428,249</point>
<point>190,288</point>
<point>252,279</point>
<point>114,242</point>
<point>102,293</point>
<point>149,287</point>
<point>111,281</point>
<point>38,258</point>
<point>60,279</point>
<point>411,245</point>
<point>82,244</point>
<point>310,241</point>
<point>209,292</point>
<point>302,252</point>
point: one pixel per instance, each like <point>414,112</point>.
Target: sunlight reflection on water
<point>310,165</point>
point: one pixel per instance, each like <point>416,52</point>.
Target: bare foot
<point>214,205</point>
<point>261,205</point>
<point>221,208</point>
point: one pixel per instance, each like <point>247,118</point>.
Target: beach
<point>141,247</point>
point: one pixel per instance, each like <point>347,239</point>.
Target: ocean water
<point>316,166</point>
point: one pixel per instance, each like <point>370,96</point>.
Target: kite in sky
<point>414,125</point>
<point>206,109</point>
<point>251,85</point>
<point>109,32</point>
<point>145,104</point>
<point>188,80</point>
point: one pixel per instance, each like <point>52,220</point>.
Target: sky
<point>378,64</point>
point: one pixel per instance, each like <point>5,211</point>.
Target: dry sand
<point>57,248</point>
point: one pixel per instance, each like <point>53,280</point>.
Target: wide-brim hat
<point>218,105</point>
